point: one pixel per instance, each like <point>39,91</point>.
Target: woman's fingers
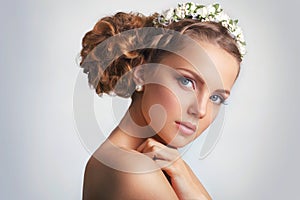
<point>148,143</point>
<point>184,182</point>
<point>157,151</point>
<point>152,149</point>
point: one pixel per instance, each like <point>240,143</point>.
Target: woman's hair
<point>107,75</point>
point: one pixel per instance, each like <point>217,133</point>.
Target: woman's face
<point>181,100</point>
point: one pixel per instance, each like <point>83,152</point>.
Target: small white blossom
<point>193,6</point>
<point>237,31</point>
<point>210,18</point>
<point>241,37</point>
<point>168,14</point>
<point>225,24</point>
<point>222,17</point>
<point>187,11</point>
<point>180,12</point>
<point>219,8</point>
<point>231,28</point>
<point>202,12</point>
<point>211,10</point>
<point>189,8</point>
<point>242,48</point>
<point>194,15</point>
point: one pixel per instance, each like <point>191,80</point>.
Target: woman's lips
<point>186,128</point>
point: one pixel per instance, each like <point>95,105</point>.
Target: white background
<point>42,156</point>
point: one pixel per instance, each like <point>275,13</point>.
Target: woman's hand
<point>183,180</point>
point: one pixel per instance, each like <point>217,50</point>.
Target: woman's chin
<point>178,142</point>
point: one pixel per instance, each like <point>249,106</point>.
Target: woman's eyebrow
<point>203,82</point>
<point>223,91</point>
<point>194,74</point>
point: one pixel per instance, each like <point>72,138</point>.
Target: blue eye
<point>186,82</point>
<point>217,99</point>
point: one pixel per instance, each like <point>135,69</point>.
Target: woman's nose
<point>198,105</point>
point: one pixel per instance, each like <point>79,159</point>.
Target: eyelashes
<point>189,83</point>
<point>218,99</point>
<point>186,82</point>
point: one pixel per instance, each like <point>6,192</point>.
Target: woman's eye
<point>187,82</point>
<point>217,99</point>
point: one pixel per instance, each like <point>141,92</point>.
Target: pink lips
<point>186,127</point>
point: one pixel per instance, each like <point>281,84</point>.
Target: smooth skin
<point>123,166</point>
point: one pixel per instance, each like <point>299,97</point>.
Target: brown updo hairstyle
<point>105,76</point>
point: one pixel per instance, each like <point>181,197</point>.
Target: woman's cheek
<point>209,118</point>
<point>160,103</point>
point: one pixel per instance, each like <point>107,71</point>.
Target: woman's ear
<point>139,75</point>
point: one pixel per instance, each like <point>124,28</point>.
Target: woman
<point>178,68</point>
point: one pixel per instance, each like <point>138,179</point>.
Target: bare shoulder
<point>126,178</point>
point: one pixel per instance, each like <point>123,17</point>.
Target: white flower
<point>193,6</point>
<point>190,8</point>
<point>237,31</point>
<point>242,48</point>
<point>211,9</point>
<point>168,14</point>
<point>231,28</point>
<point>194,15</point>
<point>225,24</point>
<point>210,18</point>
<point>180,12</point>
<point>241,37</point>
<point>202,12</point>
<point>187,11</point>
<point>222,17</point>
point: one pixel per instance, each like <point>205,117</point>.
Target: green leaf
<point>216,6</point>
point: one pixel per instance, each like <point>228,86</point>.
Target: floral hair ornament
<point>212,12</point>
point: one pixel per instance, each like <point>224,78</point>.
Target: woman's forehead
<point>216,68</point>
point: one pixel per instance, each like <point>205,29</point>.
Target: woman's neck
<point>133,129</point>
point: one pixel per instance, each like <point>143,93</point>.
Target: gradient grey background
<point>42,156</point>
